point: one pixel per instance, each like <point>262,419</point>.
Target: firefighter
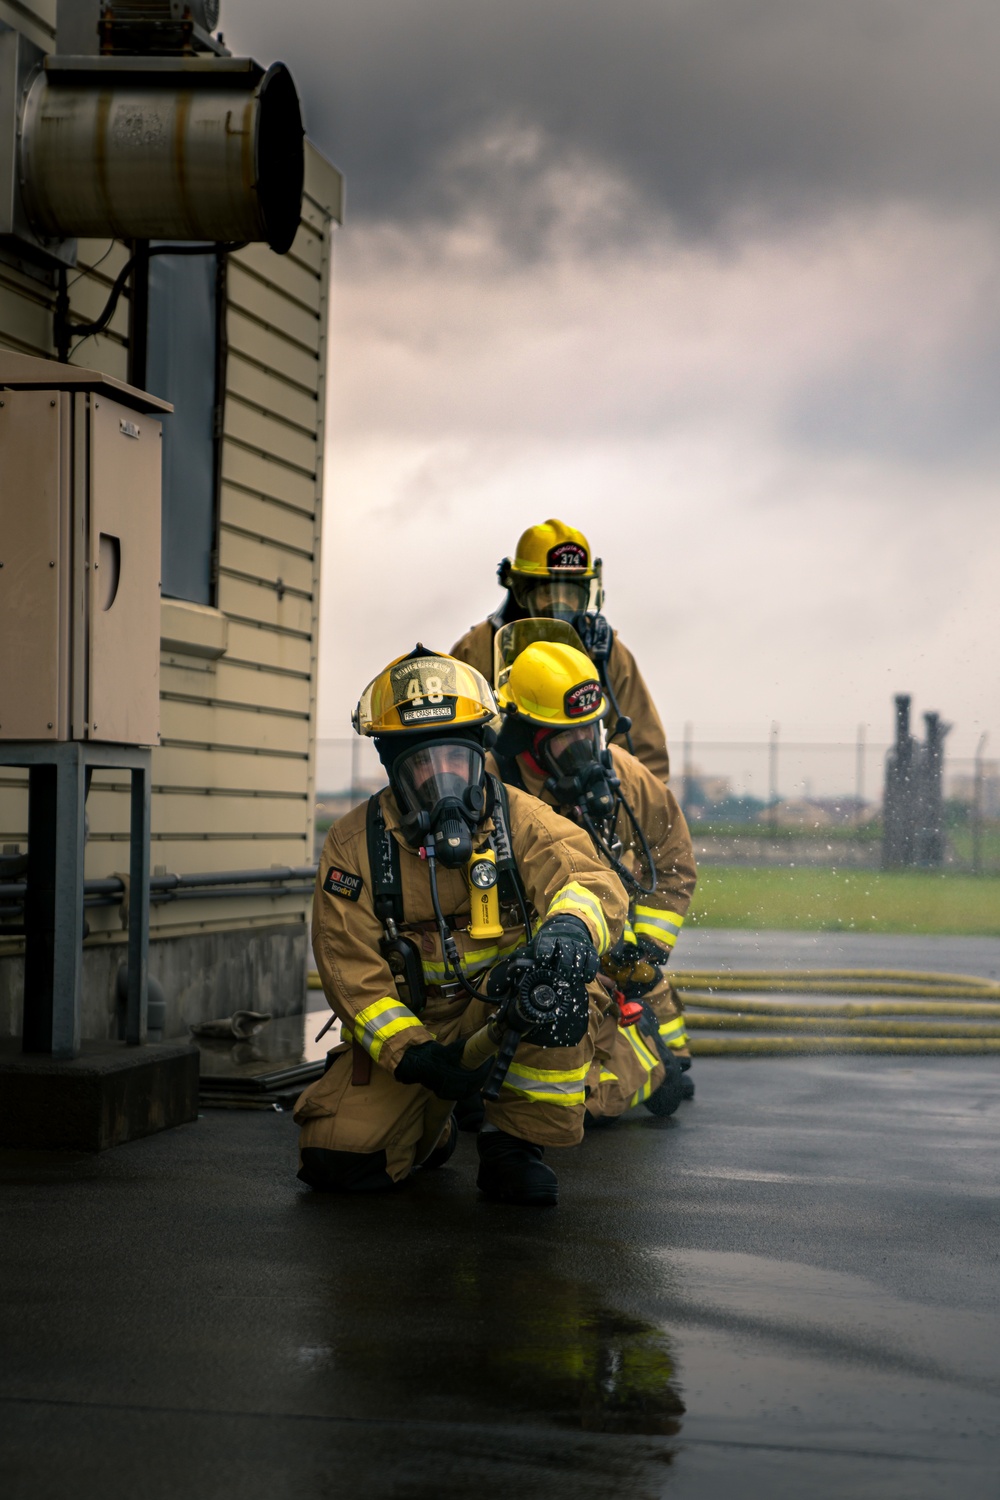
<point>399,952</point>
<point>554,575</point>
<point>551,745</point>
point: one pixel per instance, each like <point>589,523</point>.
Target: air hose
<point>845,1028</point>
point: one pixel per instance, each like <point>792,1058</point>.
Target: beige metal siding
<point>233,777</point>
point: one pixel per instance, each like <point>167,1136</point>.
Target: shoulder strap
<point>598,639</point>
<point>510,771</point>
<point>383,860</point>
<point>510,886</point>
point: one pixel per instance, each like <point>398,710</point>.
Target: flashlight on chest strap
<point>484,902</point>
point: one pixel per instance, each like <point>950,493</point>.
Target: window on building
<point>184,365</point>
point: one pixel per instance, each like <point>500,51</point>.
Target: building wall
<point>233,776</point>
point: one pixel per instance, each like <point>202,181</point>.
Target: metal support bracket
<point>53,960</point>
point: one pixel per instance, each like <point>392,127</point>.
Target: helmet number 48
<point>431,690</point>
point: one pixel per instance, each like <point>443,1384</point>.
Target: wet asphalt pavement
<point>790,1289</point>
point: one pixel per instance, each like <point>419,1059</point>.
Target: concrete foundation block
<point>110,1094</point>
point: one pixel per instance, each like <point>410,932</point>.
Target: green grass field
<point>846,901</point>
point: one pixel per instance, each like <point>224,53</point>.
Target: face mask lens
<point>433,772</point>
<point>570,751</point>
<point>557,599</point>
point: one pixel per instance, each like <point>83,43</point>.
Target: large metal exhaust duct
<point>140,148</point>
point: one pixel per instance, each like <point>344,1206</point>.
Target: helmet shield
<point>424,691</point>
<point>509,642</point>
<point>552,598</point>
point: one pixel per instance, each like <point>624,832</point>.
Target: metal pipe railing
<point>281,880</point>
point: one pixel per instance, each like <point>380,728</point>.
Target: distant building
<point>796,812</point>
<point>239,344</point>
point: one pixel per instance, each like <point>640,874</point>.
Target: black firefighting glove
<point>652,952</point>
<point>439,1069</point>
<point>564,942</point>
<point>633,966</point>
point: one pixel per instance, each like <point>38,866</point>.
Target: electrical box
<point>80,464</point>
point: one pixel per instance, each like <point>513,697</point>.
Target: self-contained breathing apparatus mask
<point>439,786</point>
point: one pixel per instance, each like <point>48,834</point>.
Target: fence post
<point>688,767</point>
<point>977,807</point>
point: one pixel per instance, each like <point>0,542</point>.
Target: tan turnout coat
<point>626,1068</point>
<point>543,1098</point>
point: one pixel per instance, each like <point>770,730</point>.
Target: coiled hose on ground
<point>893,1024</point>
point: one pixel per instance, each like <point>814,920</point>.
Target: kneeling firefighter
<point>555,575</point>
<point>443,879</point>
<point>551,745</point>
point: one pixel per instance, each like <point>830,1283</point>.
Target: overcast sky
<point>717,281</point>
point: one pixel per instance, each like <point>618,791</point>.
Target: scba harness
<point>400,953</point>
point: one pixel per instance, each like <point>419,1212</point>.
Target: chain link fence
<point>767,801</point>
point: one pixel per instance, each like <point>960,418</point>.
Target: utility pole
<point>859,769</point>
<point>688,774</point>
<point>772,776</point>
<point>977,807</point>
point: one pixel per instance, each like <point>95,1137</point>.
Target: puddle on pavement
<point>596,1370</point>
<point>531,1345</point>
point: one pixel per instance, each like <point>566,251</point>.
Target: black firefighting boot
<point>512,1171</point>
<point>442,1152</point>
<point>344,1171</point>
<point>665,1100</point>
<point>687,1082</point>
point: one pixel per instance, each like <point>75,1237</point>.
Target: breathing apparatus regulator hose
<point>619,868</point>
<point>449,948</point>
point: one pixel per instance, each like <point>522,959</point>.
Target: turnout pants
<point>627,1067</point>
<point>358,1107</point>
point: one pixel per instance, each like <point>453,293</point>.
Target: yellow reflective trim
<point>641,1095</point>
<point>668,1028</point>
<point>607,1077</point>
<point>371,1011</point>
<point>550,1075</point>
<point>642,1050</point>
<point>402,1024</point>
<point>476,958</point>
<point>574,899</point>
<point>541,1097</point>
<point>371,1035</point>
<point>662,926</point>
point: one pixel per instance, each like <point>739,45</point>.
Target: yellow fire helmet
<point>553,552</point>
<point>424,690</point>
<point>512,639</point>
<point>553,685</point>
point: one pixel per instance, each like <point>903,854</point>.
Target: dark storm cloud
<point>782,106</point>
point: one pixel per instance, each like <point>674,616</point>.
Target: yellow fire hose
<point>842,982</point>
<point>846,1028</point>
<point>987,1011</point>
